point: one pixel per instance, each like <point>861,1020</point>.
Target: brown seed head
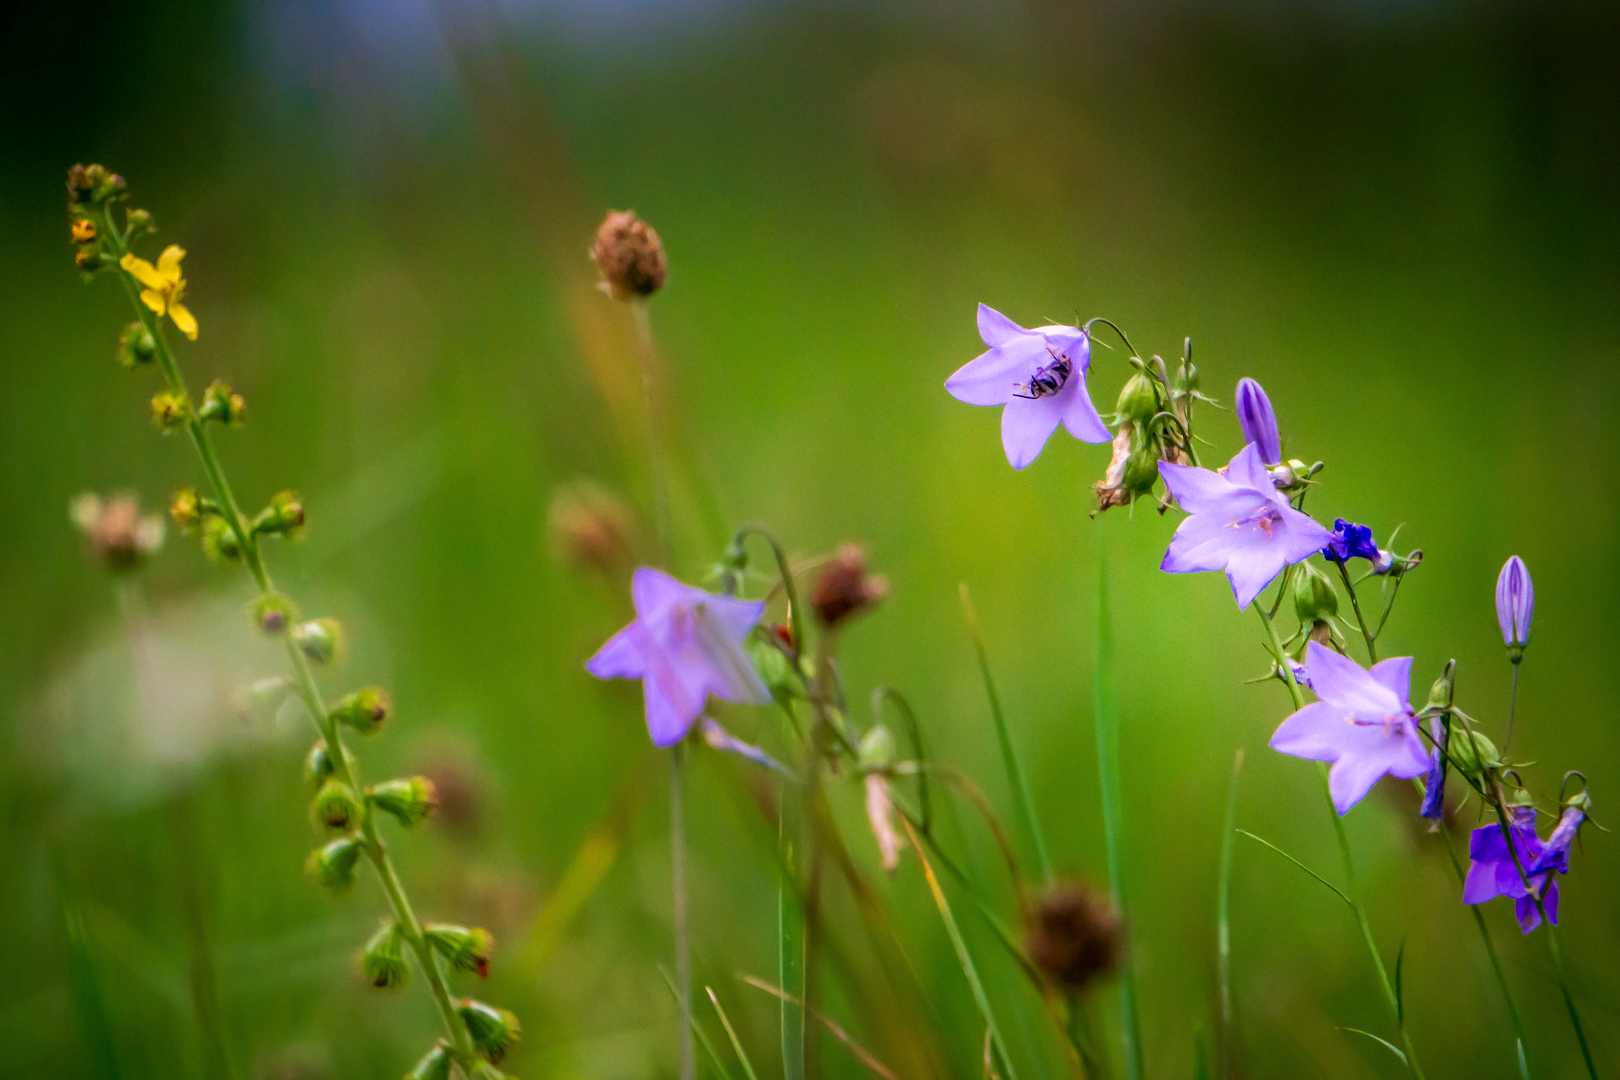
<point>844,589</point>
<point>629,256</point>
<point>1074,935</point>
<point>590,527</point>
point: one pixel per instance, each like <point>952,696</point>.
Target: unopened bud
<point>332,864</point>
<point>1321,632</point>
<point>1141,471</point>
<point>170,410</point>
<point>771,664</point>
<point>1138,399</point>
<point>219,540</point>
<point>318,763</point>
<point>492,1030</point>
<point>187,508</point>
<point>1440,693</point>
<point>220,404</point>
<point>84,231</point>
<point>409,801</point>
<point>1314,598</point>
<point>321,640</point>
<point>462,948</point>
<point>140,221</point>
<point>285,514</point>
<point>1074,936</point>
<point>335,805</point>
<point>1472,756</point>
<point>435,1064</point>
<point>629,256</point>
<point>272,613</point>
<point>383,960</point>
<point>364,710</point>
<point>843,589</point>
<point>877,749</point>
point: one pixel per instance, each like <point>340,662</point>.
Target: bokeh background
<point>1399,217</point>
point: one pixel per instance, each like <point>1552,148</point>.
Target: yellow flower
<point>164,286</point>
<point>84,231</point>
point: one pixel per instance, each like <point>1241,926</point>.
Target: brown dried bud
<point>1074,935</point>
<point>629,256</point>
<point>79,182</point>
<point>1322,633</point>
<point>590,527</point>
<point>119,537</point>
<point>1111,490</point>
<point>844,589</point>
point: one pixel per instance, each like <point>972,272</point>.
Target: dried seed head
<point>843,589</point>
<point>591,527</point>
<point>1074,935</point>
<point>629,256</point>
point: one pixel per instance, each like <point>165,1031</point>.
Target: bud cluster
<point>1154,414</point>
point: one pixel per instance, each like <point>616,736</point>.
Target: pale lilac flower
<point>1362,724</point>
<point>1259,423</point>
<point>1558,843</point>
<point>683,645</point>
<point>1239,523</point>
<point>1039,375</point>
<point>1494,873</point>
<point>1515,602</point>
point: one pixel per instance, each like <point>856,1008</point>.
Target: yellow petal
<point>168,263</point>
<point>184,320</point>
<point>143,272</point>
<point>154,300</point>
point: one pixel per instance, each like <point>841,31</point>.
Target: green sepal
<point>462,948</point>
<point>408,800</point>
<point>435,1064</point>
<point>365,710</point>
<point>383,960</point>
<point>335,805</point>
<point>332,864</point>
<point>492,1030</point>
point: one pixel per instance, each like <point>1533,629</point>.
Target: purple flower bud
<point>1434,784</point>
<point>1351,541</point>
<point>1258,421</point>
<point>1515,603</point>
<point>1555,856</point>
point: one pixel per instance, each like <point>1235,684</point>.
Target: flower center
<point>1262,517</point>
<point>1394,724</point>
<point>1048,378</point>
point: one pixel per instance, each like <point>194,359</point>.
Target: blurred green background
<point>1400,218</point>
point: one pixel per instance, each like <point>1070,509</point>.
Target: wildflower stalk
<point>304,681</point>
<point>1223,919</point>
<point>1352,890</point>
<point>1367,635</point>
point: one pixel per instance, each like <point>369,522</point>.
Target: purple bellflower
<point>1239,523</point>
<point>1039,375</point>
<point>683,645</point>
<point>1362,723</point>
<point>1350,541</point>
<point>1434,781</point>
<point>1558,843</point>
<point>1493,872</point>
<point>1259,423</point>
<point>1515,603</point>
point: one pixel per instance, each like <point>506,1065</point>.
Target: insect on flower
<point>1047,380</point>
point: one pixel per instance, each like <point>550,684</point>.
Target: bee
<point>1048,378</point>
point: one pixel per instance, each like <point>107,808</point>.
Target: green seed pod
<point>319,639</point>
<point>219,541</point>
<point>1472,759</point>
<point>877,749</point>
<point>136,346</point>
<point>1138,399</point>
<point>1141,471</point>
<point>364,710</point>
<point>383,960</point>
<point>284,515</point>
<point>170,410</point>
<point>220,404</point>
<point>435,1064</point>
<point>273,613</point>
<point>318,763</point>
<point>1314,598</point>
<point>409,801</point>
<point>493,1031</point>
<point>332,865</point>
<point>335,805</point>
<point>462,948</point>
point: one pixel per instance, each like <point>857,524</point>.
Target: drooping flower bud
<point>408,800</point>
<point>1515,604</point>
<point>220,404</point>
<point>1141,471</point>
<point>219,540</point>
<point>335,805</point>
<point>332,864</point>
<point>284,515</point>
<point>1074,935</point>
<point>590,527</point>
<point>318,763</point>
<point>319,639</point>
<point>136,346</point>
<point>629,256</point>
<point>1138,399</point>
<point>435,1064</point>
<point>1259,423</point>
<point>383,960</point>
<point>464,949</point>
<point>273,612</point>
<point>118,535</point>
<point>1314,598</point>
<point>492,1030</point>
<point>170,410</point>
<point>843,589</point>
<point>365,710</point>
<point>1555,856</point>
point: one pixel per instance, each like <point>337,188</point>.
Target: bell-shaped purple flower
<point>1493,871</point>
<point>1362,723</point>
<point>683,645</point>
<point>1515,602</point>
<point>1039,376</point>
<point>1558,843</point>
<point>1239,523</point>
<point>1259,423</point>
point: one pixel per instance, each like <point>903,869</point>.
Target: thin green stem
<point>683,942</point>
<point>1351,890</point>
<point>306,687</point>
<point>790,955</point>
<point>1355,605</point>
<point>1513,707</point>
<point>1223,920</point>
<point>647,355</point>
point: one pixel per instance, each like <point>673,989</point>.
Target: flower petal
<point>995,328</point>
<point>1248,471</point>
<point>144,272</point>
<point>736,617</point>
<point>1351,778</point>
<point>1026,425</point>
<point>1252,565</point>
<point>1485,844</point>
<point>1549,900</point>
<point>1529,916</point>
<point>1197,491</point>
<point>1315,733</point>
<point>1080,415</point>
<point>1395,675</point>
<point>168,264</point>
<point>667,721</point>
<point>1200,543</point>
<point>730,675</point>
<point>184,320</point>
<point>655,592</point>
<point>1301,536</point>
<point>621,657</point>
<point>1346,683</point>
<point>1480,885</point>
<point>991,377</point>
<point>154,300</point>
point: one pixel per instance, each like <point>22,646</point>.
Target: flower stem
<point>683,943</point>
<point>1223,924</point>
<point>1351,892</point>
<point>1513,707</point>
<point>1355,605</point>
<point>304,678</point>
<point>790,931</point>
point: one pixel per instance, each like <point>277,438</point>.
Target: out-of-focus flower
<point>589,526</point>
<point>629,256</point>
<point>1074,935</point>
<point>1239,523</point>
<point>721,739</point>
<point>1350,541</point>
<point>683,645</point>
<point>1039,375</point>
<point>843,588</point>
<point>1493,871</point>
<point>163,286</point>
<point>1515,604</point>
<point>1258,422</point>
<point>880,813</point>
<point>1362,724</point>
<point>1556,852</point>
<point>120,537</point>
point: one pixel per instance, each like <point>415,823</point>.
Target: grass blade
<point>736,1044</point>
<point>1387,1045</point>
<point>790,955</point>
<point>1223,919</point>
<point>1326,883</point>
<point>697,1029</point>
<point>864,1055</point>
